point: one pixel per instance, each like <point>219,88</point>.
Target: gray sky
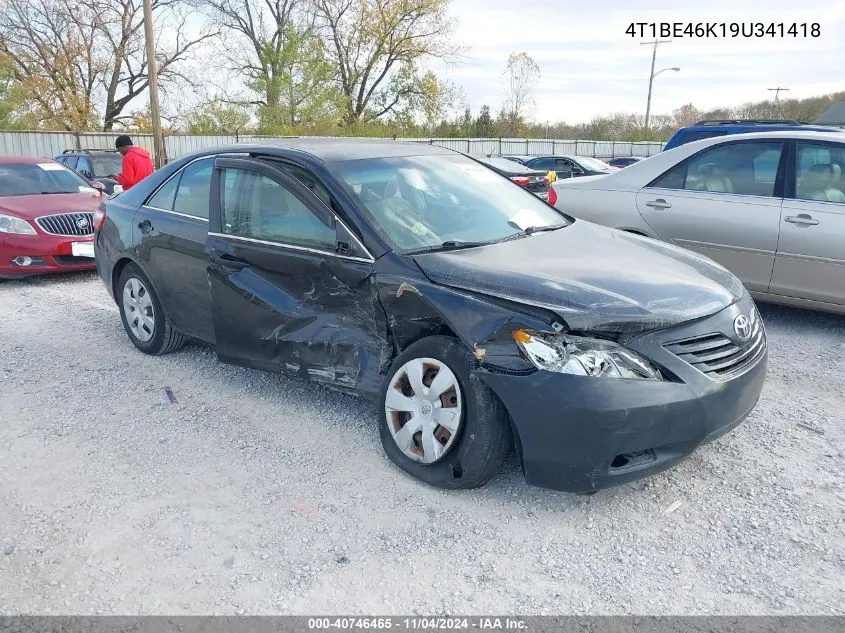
<point>590,66</point>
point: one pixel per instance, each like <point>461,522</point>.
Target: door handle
<point>660,203</point>
<point>229,261</point>
<point>146,227</point>
<point>801,218</point>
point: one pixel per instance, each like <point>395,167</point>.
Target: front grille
<point>76,224</point>
<point>718,356</point>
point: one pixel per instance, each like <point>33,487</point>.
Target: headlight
<point>11,224</point>
<point>566,354</point>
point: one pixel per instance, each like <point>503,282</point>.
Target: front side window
<point>740,168</point>
<point>819,172</point>
<point>32,179</point>
<point>545,164</point>
<point>70,161</point>
<point>442,201</point>
<point>257,207</point>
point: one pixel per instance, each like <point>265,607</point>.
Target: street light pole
<point>651,75</point>
<point>152,75</point>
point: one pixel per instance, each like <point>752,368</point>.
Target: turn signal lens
<point>552,195</point>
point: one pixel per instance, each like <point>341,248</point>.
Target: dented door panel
<point>297,312</point>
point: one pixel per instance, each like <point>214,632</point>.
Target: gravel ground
<point>256,493</point>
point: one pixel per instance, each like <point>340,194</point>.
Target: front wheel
<point>442,424</point>
<point>144,320</point>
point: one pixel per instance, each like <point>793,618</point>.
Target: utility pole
<point>656,43</point>
<point>152,73</point>
<point>777,92</point>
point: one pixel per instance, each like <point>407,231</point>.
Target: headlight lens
<point>566,354</point>
<point>11,224</point>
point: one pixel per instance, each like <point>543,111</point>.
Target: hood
<point>31,207</point>
<point>140,151</point>
<point>596,279</point>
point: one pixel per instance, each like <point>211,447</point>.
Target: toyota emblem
<point>742,327</point>
<point>82,223</point>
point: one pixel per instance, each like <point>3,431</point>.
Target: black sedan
<point>535,181</point>
<point>570,166</point>
<point>478,317</point>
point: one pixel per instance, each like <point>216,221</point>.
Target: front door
<point>810,260</point>
<point>292,290</point>
<point>724,203</point>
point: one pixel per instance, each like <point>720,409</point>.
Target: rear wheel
<point>442,424</point>
<point>143,316</point>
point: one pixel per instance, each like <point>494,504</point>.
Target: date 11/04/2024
<point>724,29</point>
<point>418,623</point>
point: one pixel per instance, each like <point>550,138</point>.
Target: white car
<point>768,206</point>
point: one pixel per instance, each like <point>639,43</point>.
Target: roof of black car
<point>331,150</point>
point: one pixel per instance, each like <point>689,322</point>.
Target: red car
<point>46,218</point>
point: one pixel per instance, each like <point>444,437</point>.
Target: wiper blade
<point>448,245</point>
<point>539,229</point>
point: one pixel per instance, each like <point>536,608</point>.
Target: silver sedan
<point>768,206</point>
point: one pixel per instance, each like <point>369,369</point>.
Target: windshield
<point>420,202</point>
<point>503,164</point>
<point>106,164</point>
<point>26,179</point>
<point>593,163</point>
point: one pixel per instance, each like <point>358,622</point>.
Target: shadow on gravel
<point>799,318</point>
<point>39,280</point>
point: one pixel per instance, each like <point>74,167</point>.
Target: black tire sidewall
<point>484,438</point>
<point>156,343</point>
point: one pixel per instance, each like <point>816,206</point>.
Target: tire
<point>482,439</point>
<point>155,335</point>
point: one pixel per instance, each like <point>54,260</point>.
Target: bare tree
<point>521,76</point>
<point>121,26</point>
<point>376,46</point>
<point>84,62</point>
<point>51,47</point>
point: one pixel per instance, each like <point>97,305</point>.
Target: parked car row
<point>476,314</point>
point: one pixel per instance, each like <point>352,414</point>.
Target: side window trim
<point>176,175</point>
<point>296,188</point>
<point>780,177</point>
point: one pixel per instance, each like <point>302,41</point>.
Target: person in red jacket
<point>137,164</point>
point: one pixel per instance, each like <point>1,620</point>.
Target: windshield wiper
<point>448,245</point>
<point>49,193</point>
<point>539,229</point>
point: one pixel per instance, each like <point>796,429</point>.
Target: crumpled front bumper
<point>582,434</point>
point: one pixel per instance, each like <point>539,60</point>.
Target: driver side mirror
<point>98,186</point>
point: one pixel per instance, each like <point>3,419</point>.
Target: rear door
<point>292,288</point>
<point>173,227</point>
<point>723,202</point>
<point>810,260</point>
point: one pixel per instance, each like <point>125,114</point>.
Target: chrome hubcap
<point>423,409</point>
<point>138,309</point>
